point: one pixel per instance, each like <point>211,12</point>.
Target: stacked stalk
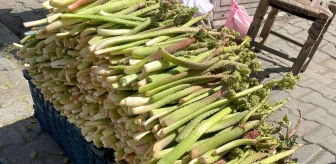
<point>140,77</point>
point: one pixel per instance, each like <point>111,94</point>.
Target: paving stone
<point>318,87</point>
<point>33,126</point>
<point>318,68</point>
<point>6,35</point>
<point>302,35</point>
<point>305,127</point>
<point>278,95</point>
<point>43,146</point>
<point>293,29</point>
<point>285,48</point>
<point>15,111</point>
<point>278,115</point>
<point>319,100</point>
<point>303,24</point>
<point>294,104</point>
<point>331,63</point>
<point>321,116</point>
<point>318,77</point>
<point>306,152</point>
<point>9,136</point>
<point>298,92</point>
<point>331,75</point>
<point>329,37</point>
<point>322,136</point>
<point>5,64</point>
<point>329,49</point>
<point>323,157</point>
<point>319,56</point>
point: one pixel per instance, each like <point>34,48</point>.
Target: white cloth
<point>204,6</point>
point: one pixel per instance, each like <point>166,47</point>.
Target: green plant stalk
<point>26,38</point>
<point>61,23</point>
<point>131,9</point>
<point>144,52</point>
<point>158,65</point>
<point>143,140</point>
<point>209,158</point>
<point>227,64</point>
<point>225,123</point>
<point>192,52</point>
<point>177,70</point>
<point>169,98</point>
<point>155,112</point>
<point>159,28</point>
<point>125,51</point>
<point>140,27</point>
<point>95,39</point>
<point>111,7</point>
<point>138,66</point>
<point>117,67</point>
<point>195,20</point>
<point>161,44</point>
<point>112,32</point>
<point>93,4</point>
<point>218,140</point>
<point>61,3</point>
<point>254,157</point>
<point>188,118</point>
<point>183,146</point>
<point>127,80</point>
<point>157,40</point>
<point>76,30</point>
<point>203,95</point>
<point>186,131</point>
<point>191,108</point>
<point>145,10</point>
<point>78,4</point>
<point>185,62</point>
<point>28,44</point>
<point>170,31</point>
<point>204,79</point>
<point>277,157</point>
<point>162,153</point>
<point>127,17</point>
<point>234,144</point>
<point>100,18</point>
<point>162,143</point>
<point>35,23</point>
<point>253,110</point>
<point>273,109</point>
<point>121,47</point>
<point>169,91</point>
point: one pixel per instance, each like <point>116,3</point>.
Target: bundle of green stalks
<point>155,83</point>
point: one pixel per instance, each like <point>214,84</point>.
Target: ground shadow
<point>14,20</point>
<point>25,142</point>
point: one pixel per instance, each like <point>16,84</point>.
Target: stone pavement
<point>20,133</point>
<point>315,95</point>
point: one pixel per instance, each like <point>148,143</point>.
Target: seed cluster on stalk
<point>141,77</point>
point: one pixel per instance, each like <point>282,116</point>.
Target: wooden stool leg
<point>314,32</point>
<point>317,44</point>
<point>258,18</point>
<point>267,26</point>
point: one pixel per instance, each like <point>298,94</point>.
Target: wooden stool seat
<point>321,12</point>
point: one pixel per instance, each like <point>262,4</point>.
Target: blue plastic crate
<point>67,135</point>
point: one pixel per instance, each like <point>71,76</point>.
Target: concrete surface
<point>20,133</point>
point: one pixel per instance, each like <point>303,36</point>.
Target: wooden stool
<point>319,11</point>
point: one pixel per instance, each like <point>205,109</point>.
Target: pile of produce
<point>155,83</point>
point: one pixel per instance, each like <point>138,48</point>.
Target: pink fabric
<point>238,19</point>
